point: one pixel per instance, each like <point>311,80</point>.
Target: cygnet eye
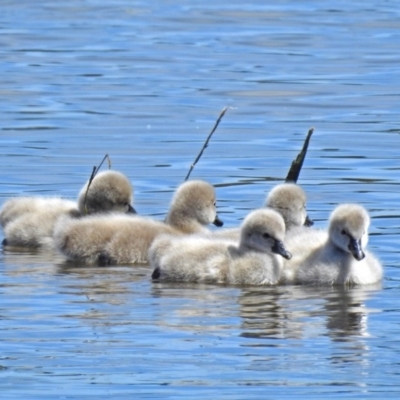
<point>343,232</point>
<point>266,236</point>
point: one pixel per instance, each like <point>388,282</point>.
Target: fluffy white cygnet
<point>124,240</point>
<point>256,260</point>
<point>336,257</point>
<point>30,221</point>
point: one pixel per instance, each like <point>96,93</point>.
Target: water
<point>145,82</point>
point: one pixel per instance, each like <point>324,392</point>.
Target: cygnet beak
<point>156,273</point>
<point>356,249</point>
<point>131,210</point>
<point>217,221</point>
<point>279,248</point>
<point>308,221</point>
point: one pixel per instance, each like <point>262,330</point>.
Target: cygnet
<point>255,260</point>
<point>125,240</point>
<point>30,221</point>
<point>289,200</point>
<point>336,257</point>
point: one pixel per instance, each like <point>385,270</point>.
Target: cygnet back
<point>107,239</point>
<point>18,206</point>
<point>30,220</point>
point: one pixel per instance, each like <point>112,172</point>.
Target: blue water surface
<point>145,82</point>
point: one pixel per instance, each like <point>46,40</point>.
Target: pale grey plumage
<point>206,259</point>
<point>18,206</point>
<point>110,191</point>
<point>289,200</point>
<point>335,257</point>
<point>123,239</point>
<point>30,221</point>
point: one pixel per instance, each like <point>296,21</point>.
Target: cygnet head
<point>289,200</point>
<point>109,191</point>
<point>264,230</point>
<point>348,229</point>
<point>194,201</point>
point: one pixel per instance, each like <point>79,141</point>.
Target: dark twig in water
<point>206,142</point>
<point>92,176</point>
<point>295,168</point>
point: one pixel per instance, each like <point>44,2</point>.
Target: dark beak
<point>131,210</point>
<point>156,273</point>
<point>217,221</point>
<point>308,221</point>
<point>279,248</point>
<point>356,250</point>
